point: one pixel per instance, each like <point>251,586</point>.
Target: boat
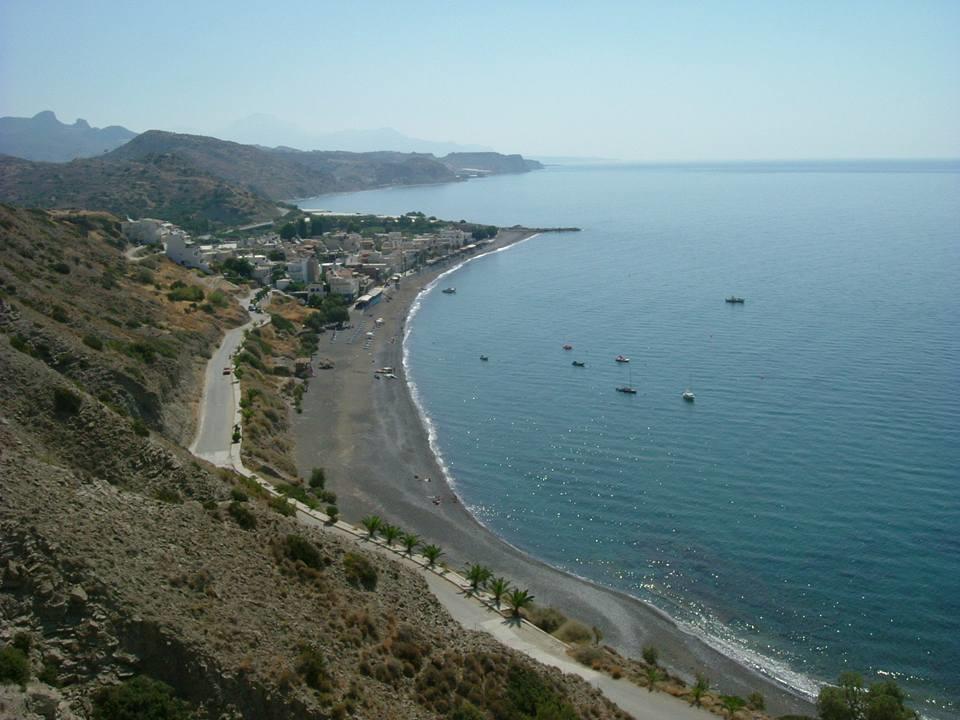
<point>627,389</point>
<point>735,300</point>
<point>449,291</point>
<point>484,358</point>
<point>568,347</point>
<point>688,395</point>
<point>622,359</point>
<point>578,363</point>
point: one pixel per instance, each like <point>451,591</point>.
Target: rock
<point>43,700</point>
<point>78,596</point>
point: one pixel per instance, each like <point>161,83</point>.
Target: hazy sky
<point>630,80</point>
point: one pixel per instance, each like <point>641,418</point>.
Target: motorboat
<point>622,359</point>
<point>449,291</point>
<point>568,347</point>
<point>578,363</point>
<point>735,300</point>
<point>688,395</point>
<point>484,358</point>
<point>627,389</point>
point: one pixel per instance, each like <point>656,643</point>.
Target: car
<point>227,371</point>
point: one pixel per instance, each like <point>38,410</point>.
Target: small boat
<point>577,363</point>
<point>688,395</point>
<point>568,347</point>
<point>449,291</point>
<point>622,359</point>
<point>627,389</point>
<point>484,358</point>
<point>736,300</point>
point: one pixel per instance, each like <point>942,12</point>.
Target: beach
<point>367,434</point>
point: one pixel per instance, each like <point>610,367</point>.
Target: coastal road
<point>219,406</point>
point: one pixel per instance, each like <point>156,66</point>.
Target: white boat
<point>449,290</point>
<point>688,395</point>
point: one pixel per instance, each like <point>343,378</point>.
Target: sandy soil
<point>367,435</point>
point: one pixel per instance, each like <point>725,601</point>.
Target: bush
<point>219,298</point>
<point>238,495</point>
<point>298,493</point>
<point>282,324</point>
<point>93,341</point>
<point>22,641</point>
<point>298,548</point>
<point>61,267</point>
<point>66,402</point>
<point>546,618</point>
<point>242,515</point>
<point>360,571</point>
<point>573,632</point>
<point>317,478</point>
<point>529,696</point>
<point>650,655</point>
<point>185,293</point>
<point>14,666</point>
<point>333,512</point>
<point>140,698</point>
<point>140,428</point>
<point>312,667</point>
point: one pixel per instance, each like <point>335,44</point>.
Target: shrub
<point>22,641</point>
<point>61,267</point>
<point>140,698</point>
<point>242,515</point>
<point>317,478</point>
<point>755,701</point>
<point>573,632</point>
<point>185,293</point>
<point>218,298</point>
<point>333,512</point>
<point>298,548</point>
<point>168,495</point>
<point>282,324</point>
<point>546,618</point>
<point>140,428</point>
<point>360,571</point>
<point>312,667</point>
<point>530,696</point>
<point>650,655</point>
<point>59,314</point>
<point>14,666</point>
<point>66,402</point>
<point>144,276</point>
<point>93,341</point>
<point>298,493</point>
<point>238,495</point>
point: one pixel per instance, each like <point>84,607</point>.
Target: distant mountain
<point>270,131</point>
<point>488,163</point>
<point>44,137</point>
<point>203,182</point>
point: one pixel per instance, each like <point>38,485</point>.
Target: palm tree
<point>498,588</point>
<point>653,677</point>
<point>732,703</point>
<point>518,599</point>
<point>372,524</point>
<point>390,533</point>
<point>432,553</point>
<point>410,541</point>
<point>699,688</point>
<point>477,575</point>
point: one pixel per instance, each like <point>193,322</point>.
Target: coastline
<point>372,439</point>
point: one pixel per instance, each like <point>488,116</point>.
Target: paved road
<point>219,407</point>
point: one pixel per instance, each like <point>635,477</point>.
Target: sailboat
<point>629,389</point>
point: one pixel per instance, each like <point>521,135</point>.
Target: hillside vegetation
<point>134,576</point>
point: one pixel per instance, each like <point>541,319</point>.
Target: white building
<point>146,231</point>
<point>182,251</point>
<point>343,282</point>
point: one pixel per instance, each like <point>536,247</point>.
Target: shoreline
<point>374,441</point>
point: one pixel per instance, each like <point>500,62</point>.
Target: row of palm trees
<point>480,577</point>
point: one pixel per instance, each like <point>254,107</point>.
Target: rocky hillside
<point>43,137</point>
<point>165,186</point>
<point>489,162</point>
<point>133,576</point>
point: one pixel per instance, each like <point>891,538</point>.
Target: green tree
<point>302,227</point>
<point>14,666</point>
<point>653,675</point>
<point>288,231</point>
<point>371,523</point>
<point>843,701</point>
<point>518,599</point>
<point>699,689</point>
<point>237,266</point>
<point>478,575</point>
<point>409,542</point>
<point>390,533</point>
<point>498,588</point>
<point>317,478</point>
<point>731,703</point>
<point>432,553</point>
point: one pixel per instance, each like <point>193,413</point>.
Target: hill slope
<point>164,186</point>
<point>44,137</point>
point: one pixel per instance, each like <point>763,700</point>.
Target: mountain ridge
<point>44,138</point>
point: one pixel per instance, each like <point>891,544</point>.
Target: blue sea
<point>804,511</point>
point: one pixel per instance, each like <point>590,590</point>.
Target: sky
<point>642,81</point>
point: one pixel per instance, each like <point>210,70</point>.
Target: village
<point>353,266</point>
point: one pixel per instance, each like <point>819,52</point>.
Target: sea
<point>803,513</point>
